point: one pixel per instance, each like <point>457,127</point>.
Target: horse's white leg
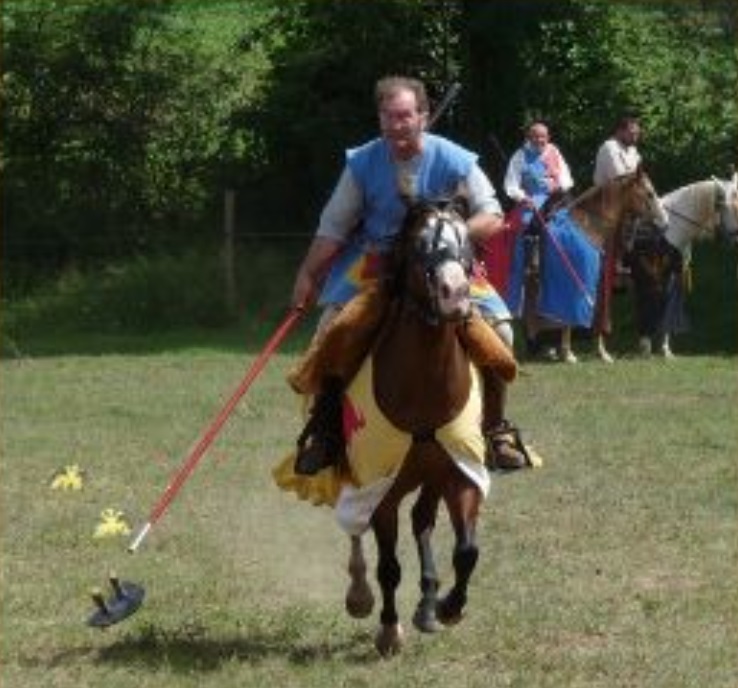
<point>666,351</point>
<point>565,352</point>
<point>602,352</point>
<point>359,596</point>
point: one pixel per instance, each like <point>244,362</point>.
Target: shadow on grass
<point>183,651</point>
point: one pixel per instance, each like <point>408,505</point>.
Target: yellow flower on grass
<point>112,523</point>
<point>68,478</point>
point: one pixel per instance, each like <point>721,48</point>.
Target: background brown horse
<point>601,212</point>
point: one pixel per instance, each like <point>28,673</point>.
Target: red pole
<point>212,430</point>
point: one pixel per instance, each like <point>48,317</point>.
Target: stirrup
<point>505,449</point>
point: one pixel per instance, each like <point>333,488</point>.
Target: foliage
<point>144,295</point>
<point>580,63</point>
<point>675,68</point>
<point>117,122</point>
<point>319,99</point>
<point>124,121</point>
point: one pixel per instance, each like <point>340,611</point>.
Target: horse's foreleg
<point>666,351</point>
<point>390,636</point>
<point>359,596</point>
<point>463,507</point>
<point>602,352</point>
<point>424,520</point>
<point>565,351</point>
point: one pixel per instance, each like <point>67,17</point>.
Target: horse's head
<point>640,198</point>
<point>726,205</point>
<point>602,209</point>
<point>434,260</point>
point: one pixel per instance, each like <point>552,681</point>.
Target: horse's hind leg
<point>359,596</point>
<point>463,502</point>
<point>424,520</point>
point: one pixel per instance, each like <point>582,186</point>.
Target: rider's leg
<point>341,343</point>
<point>505,450</point>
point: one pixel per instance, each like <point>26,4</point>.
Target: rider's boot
<point>505,449</point>
<point>321,443</point>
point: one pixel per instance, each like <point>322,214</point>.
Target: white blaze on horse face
<point>444,242</point>
<point>453,291</point>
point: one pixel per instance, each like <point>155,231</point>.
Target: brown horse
<point>600,212</point>
<point>423,385</point>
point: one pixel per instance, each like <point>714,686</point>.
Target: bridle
<point>459,252</point>
<point>727,225</point>
<point>726,205</point>
<point>430,249</point>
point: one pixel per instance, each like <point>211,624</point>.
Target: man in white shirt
<point>617,156</point>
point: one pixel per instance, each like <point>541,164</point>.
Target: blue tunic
<point>442,166</point>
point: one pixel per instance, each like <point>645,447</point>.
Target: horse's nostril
<point>445,292</point>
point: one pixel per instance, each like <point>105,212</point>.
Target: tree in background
<point>122,122</point>
<point>117,124</point>
<point>578,63</point>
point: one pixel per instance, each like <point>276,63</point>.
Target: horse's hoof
<point>389,639</point>
<point>448,612</point>
<point>425,619</point>
<point>359,599</point>
<point>605,357</point>
<point>568,356</point>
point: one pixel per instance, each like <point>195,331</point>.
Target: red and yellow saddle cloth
<point>376,450</point>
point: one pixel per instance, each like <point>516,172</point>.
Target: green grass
<point>613,565</point>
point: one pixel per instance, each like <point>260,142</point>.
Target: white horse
<point>695,211</point>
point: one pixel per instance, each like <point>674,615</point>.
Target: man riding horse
<point>617,156</point>
<point>537,176</point>
<point>346,259</point>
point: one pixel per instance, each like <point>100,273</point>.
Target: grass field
<point>613,565</point>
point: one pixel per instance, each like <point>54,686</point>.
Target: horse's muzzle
<point>452,292</point>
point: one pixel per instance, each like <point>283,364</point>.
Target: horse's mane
<point>691,207</point>
<point>596,189</point>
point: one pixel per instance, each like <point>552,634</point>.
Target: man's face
<point>538,136</point>
<point>630,134</point>
<point>402,124</point>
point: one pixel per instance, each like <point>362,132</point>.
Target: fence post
<point>229,253</point>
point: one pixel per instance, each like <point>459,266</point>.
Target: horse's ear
<point>415,209</point>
